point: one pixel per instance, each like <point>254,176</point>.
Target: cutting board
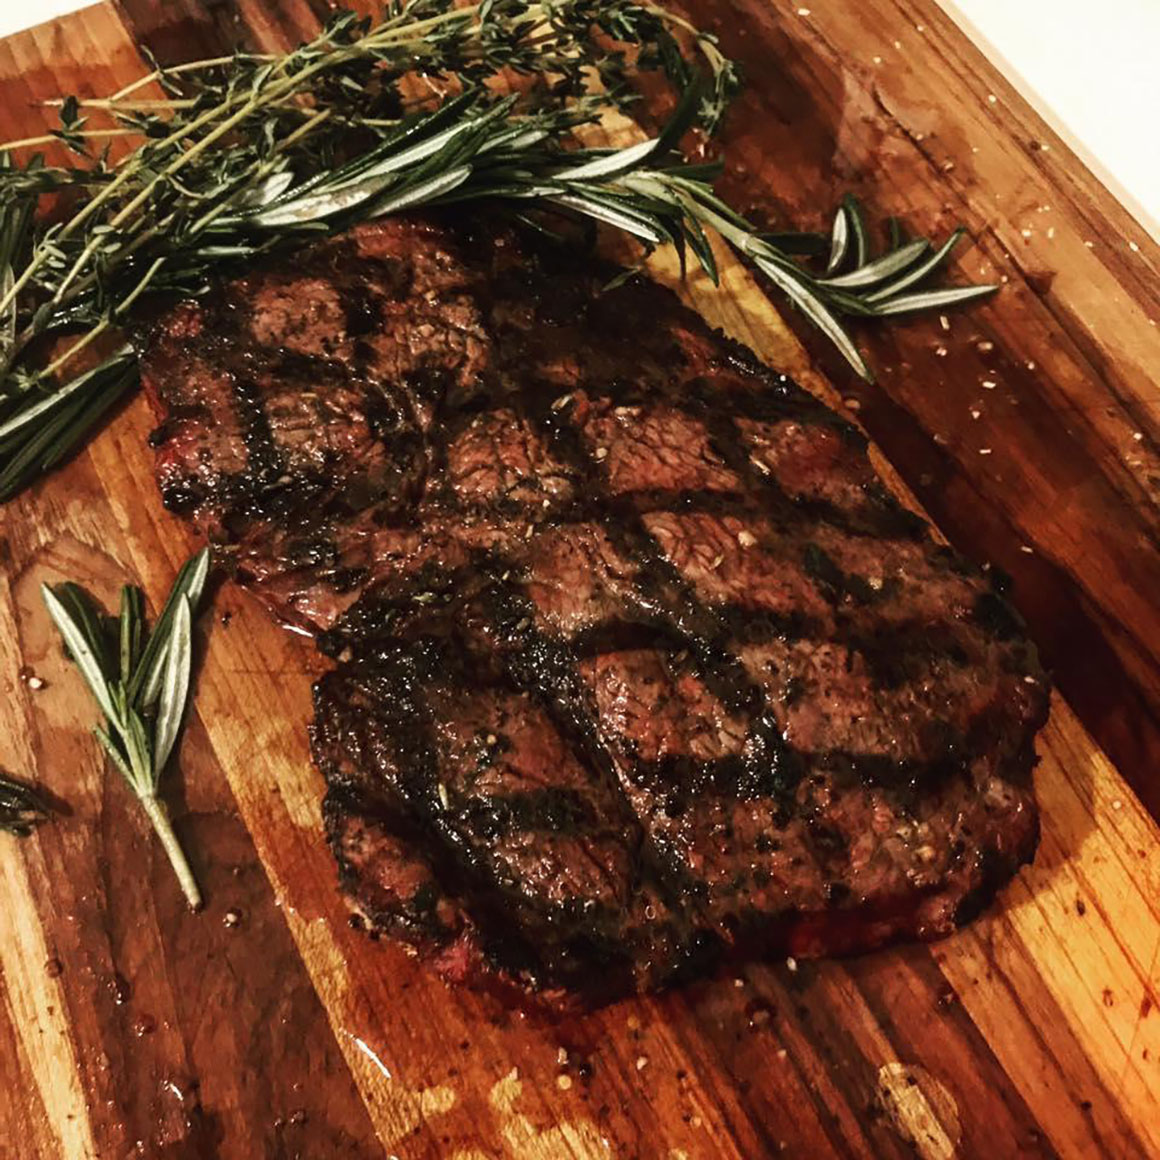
<point>266,1027</point>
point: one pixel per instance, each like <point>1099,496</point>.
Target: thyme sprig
<point>140,681</point>
<point>249,152</point>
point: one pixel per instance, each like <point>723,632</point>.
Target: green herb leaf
<point>120,667</point>
<point>145,686</point>
<point>21,807</point>
<point>131,626</point>
<point>934,299</point>
<point>84,649</point>
<point>916,274</point>
<point>881,268</point>
<point>253,152</point>
<point>174,686</point>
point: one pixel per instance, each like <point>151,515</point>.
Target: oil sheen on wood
<point>1029,429</point>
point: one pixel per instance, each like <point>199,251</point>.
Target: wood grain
<point>129,1027</point>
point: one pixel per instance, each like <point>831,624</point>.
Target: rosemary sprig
<point>21,807</point>
<point>140,681</point>
<point>246,153</point>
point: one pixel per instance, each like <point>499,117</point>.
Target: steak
<point>639,667</point>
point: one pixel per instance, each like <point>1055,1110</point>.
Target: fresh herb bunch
<point>140,680</point>
<point>21,807</point>
<point>249,152</point>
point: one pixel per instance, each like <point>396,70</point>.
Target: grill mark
<point>766,398</point>
<point>873,519</point>
<point>546,669</point>
<point>658,580</point>
<point>264,462</point>
<point>411,725</point>
<point>769,764</point>
<point>551,810</point>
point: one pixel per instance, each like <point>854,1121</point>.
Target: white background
<point>1090,67</point>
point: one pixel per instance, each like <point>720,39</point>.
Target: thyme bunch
<point>432,104</point>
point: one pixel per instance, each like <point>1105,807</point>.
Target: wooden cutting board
<point>265,1027</point>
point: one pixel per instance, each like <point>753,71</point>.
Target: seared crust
<point>641,667</point>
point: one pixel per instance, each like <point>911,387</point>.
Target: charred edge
<point>415,919</point>
<point>501,916</point>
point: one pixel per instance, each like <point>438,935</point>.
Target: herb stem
<point>241,154</point>
<point>158,816</point>
<point>189,66</point>
<point>75,349</point>
<point>53,139</point>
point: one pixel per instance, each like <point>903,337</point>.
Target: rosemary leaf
<point>917,273</point>
<point>934,299</point>
<point>84,651</point>
<point>131,623</point>
<point>21,807</point>
<point>881,268</point>
<point>249,153</point>
<point>839,242</point>
<point>174,687</point>
<point>859,236</point>
<point>141,726</point>
<point>145,685</point>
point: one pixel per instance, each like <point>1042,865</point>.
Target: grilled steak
<point>639,666</point>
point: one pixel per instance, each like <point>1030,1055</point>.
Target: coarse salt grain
<point>803,12</point>
<point>984,450</point>
<point>1027,548</point>
<point>791,963</point>
<point>991,98</point>
<point>988,384</point>
<point>941,351</point>
<point>1137,435</point>
<point>1134,247</point>
<point>985,347</point>
<point>976,414</point>
<point>641,1062</point>
<point>944,322</point>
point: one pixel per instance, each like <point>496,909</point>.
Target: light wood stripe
<point>40,1013</point>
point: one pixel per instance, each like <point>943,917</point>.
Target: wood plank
<point>114,991</point>
<point>1031,1033</point>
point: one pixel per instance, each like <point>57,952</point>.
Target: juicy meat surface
<point>639,666</point>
